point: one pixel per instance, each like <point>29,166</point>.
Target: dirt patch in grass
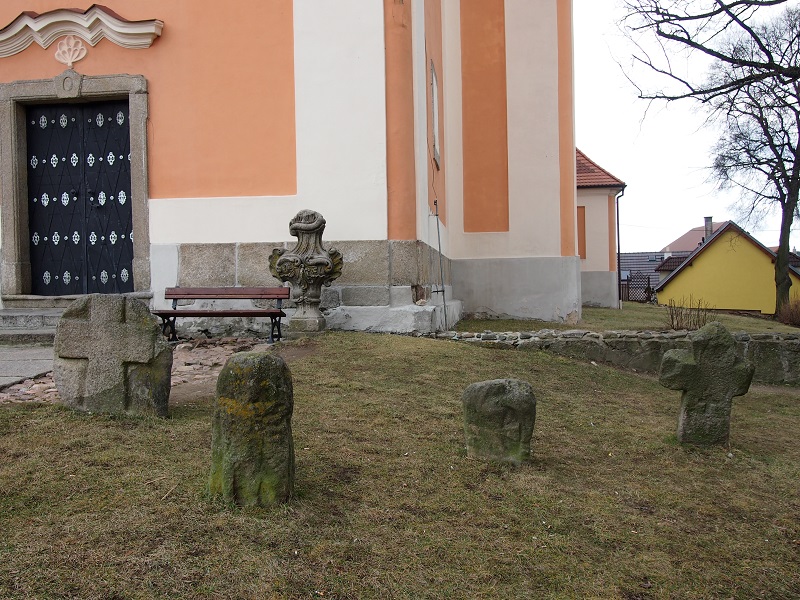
<point>389,506</point>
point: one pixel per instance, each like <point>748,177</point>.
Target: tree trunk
<point>782,280</point>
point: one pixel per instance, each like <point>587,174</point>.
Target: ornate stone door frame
<point>15,278</point>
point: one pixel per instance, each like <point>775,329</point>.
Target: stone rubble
<point>775,355</point>
<point>193,361</point>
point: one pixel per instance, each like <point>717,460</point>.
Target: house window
<point>582,231</point>
<point>435,114</point>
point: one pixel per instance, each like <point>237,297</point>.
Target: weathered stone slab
<point>768,355</point>
<point>110,356</point>
<point>499,416</point>
<point>710,375</point>
<point>250,261</point>
<point>252,450</point>
<point>207,265</point>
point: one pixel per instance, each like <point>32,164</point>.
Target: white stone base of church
<point>545,288</point>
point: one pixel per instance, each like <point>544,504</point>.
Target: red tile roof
<point>592,175</point>
<point>690,240</point>
<point>794,259</point>
<point>670,263</point>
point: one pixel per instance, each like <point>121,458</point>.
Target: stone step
<point>28,326</point>
<point>19,336</point>
<point>29,319</point>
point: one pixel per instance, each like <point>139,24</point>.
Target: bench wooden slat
<point>189,312</point>
<point>227,293</point>
<point>168,316</point>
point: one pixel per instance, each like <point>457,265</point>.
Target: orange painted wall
<point>221,90</point>
<point>566,126</point>
<point>400,168</point>
<point>484,115</point>
<point>433,52</point>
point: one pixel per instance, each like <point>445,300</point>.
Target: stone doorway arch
<point>15,266</point>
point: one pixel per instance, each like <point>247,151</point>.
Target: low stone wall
<point>776,356</point>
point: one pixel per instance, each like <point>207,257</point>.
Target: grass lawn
<point>389,506</point>
<point>633,316</point>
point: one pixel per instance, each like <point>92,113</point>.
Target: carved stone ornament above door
<point>70,50</point>
<point>91,25</point>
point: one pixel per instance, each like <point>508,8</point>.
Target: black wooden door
<point>79,186</point>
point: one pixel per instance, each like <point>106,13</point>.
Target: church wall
<point>484,116</point>
<point>529,288</point>
<point>272,106</point>
<point>400,157</point>
<point>531,270</point>
<point>341,140</point>
<point>534,171</point>
<point>221,83</point>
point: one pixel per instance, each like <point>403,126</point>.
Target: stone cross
<point>710,375</point>
<point>499,416</point>
<point>110,356</point>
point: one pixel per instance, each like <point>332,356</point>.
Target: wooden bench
<point>223,293</point>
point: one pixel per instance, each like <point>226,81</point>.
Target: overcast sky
<point>662,152</point>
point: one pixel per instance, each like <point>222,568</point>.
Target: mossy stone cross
<point>101,333</point>
<point>711,374</point>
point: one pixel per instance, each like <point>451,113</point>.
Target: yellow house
<point>731,271</point>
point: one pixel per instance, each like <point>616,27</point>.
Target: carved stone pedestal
<point>307,267</point>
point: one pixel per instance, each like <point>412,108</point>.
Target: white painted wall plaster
<point>533,127</point>
<point>341,140</point>
<point>597,234</point>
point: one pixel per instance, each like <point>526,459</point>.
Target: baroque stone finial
<point>70,50</point>
<point>307,267</point>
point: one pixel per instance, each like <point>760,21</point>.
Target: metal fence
<point>637,288</point>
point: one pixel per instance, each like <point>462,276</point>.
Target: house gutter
<point>619,268</point>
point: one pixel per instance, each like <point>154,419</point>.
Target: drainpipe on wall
<point>619,267</point>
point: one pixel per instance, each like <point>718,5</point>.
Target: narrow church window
<point>582,231</point>
<point>435,113</point>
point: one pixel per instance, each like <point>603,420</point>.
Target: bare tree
<point>703,27</point>
<point>751,89</point>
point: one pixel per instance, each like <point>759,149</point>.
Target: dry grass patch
<point>389,506</point>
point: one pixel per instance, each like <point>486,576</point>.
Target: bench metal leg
<point>168,328</point>
<point>275,328</point>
